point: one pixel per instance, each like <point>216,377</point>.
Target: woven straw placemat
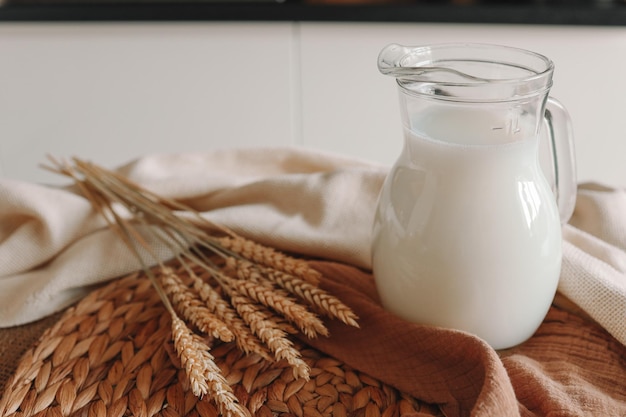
<point>111,355</point>
<point>14,341</point>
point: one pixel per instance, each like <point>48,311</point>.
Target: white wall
<point>114,91</point>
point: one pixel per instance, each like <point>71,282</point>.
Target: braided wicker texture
<point>111,355</point>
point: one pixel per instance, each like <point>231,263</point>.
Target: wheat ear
<point>204,375</point>
<point>191,307</point>
<point>261,324</point>
<point>255,286</point>
<point>270,257</point>
<point>325,302</point>
<point>244,337</point>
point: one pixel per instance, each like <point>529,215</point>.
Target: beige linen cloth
<point>52,248</point>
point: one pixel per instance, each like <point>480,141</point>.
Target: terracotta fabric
<point>571,367</point>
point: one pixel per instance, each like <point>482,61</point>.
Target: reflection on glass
<point>530,200</point>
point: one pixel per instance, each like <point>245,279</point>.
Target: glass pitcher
<point>467,232</point>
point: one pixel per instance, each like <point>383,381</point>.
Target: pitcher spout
<point>391,57</point>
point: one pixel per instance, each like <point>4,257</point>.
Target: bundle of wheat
<point>224,287</point>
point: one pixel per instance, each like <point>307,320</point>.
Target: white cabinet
<point>113,91</point>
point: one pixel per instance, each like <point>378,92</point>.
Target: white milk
<point>468,237</point>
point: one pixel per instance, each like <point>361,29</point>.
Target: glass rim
<point>535,70</point>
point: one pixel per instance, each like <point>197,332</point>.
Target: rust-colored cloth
<point>571,367</point>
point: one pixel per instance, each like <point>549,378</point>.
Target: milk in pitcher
<point>472,240</point>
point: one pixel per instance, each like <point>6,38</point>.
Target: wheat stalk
<point>228,287</point>
<point>315,296</point>
<point>244,337</point>
<point>270,257</point>
<point>204,375</point>
<point>253,284</point>
<point>192,308</point>
<point>270,333</point>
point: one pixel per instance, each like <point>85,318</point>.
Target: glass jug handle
<point>563,160</point>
